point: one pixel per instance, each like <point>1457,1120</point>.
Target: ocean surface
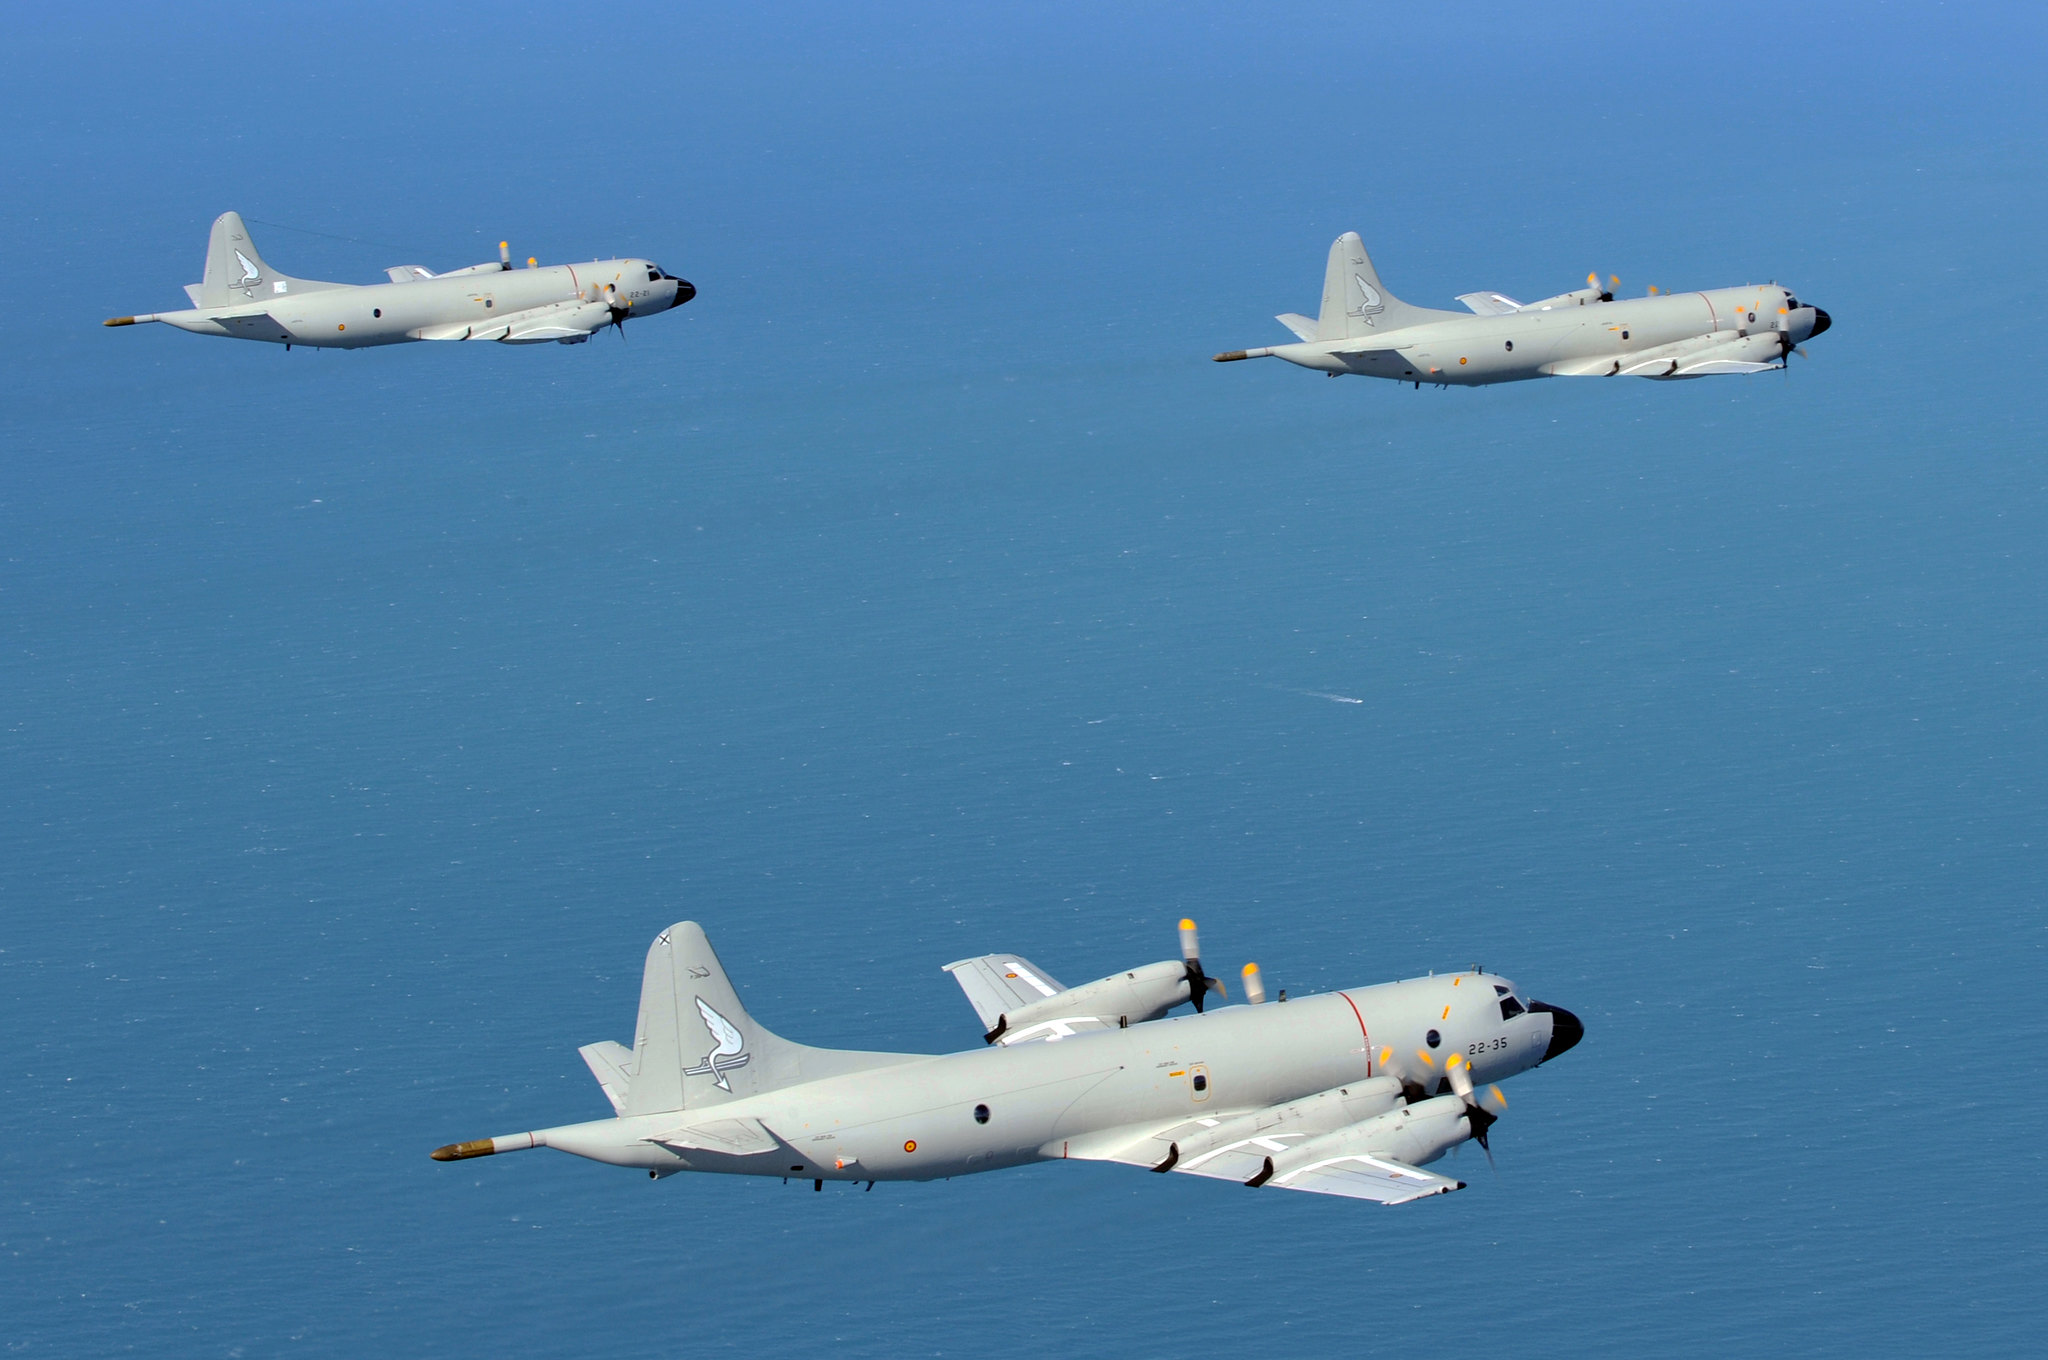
<point>922,590</point>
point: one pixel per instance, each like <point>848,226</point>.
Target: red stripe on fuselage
<point>1361,1031</point>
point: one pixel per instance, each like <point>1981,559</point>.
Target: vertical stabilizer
<point>236,273</point>
<point>1354,301</point>
<point>696,1045</point>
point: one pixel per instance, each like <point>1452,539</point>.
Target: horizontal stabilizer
<point>1304,327</point>
<point>734,1137</point>
<point>1490,304</point>
<point>612,1064</point>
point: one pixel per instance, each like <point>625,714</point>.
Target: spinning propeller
<point>1607,293</point>
<point>1786,349</point>
<point>1458,1073</point>
<point>620,309</point>
<point>1199,982</point>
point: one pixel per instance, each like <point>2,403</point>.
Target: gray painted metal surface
<point>1364,329</point>
<point>1348,1093</point>
<point>242,297</point>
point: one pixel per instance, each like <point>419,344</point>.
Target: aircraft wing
<point>996,983</point>
<point>566,321</point>
<point>1490,304</point>
<point>1362,1176</point>
<point>1703,356</point>
<point>1341,1163</point>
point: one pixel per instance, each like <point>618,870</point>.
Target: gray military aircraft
<point>242,297</point>
<point>1348,1093</point>
<point>1365,329</point>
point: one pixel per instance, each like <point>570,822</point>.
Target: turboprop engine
<point>1133,996</point>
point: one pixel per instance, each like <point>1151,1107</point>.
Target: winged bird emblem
<point>729,1053</point>
<point>1369,303</point>
<point>250,273</point>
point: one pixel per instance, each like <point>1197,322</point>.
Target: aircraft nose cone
<point>1821,321</point>
<point>1565,1029</point>
<point>685,290</point>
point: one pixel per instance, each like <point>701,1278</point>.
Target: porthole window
<point>1433,1039</point>
<point>376,311</point>
<point>1624,334</point>
<point>490,303</point>
<point>1201,1082</point>
<point>981,1114</point>
<point>1752,316</point>
<point>1511,347</point>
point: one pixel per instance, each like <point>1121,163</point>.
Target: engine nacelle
<point>1580,298</point>
<point>1129,998</point>
<point>1416,1134</point>
<point>1309,1117</point>
<point>493,267</point>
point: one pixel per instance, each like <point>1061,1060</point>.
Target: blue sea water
<point>922,590</point>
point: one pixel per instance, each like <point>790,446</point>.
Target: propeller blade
<point>1200,984</point>
<point>1458,1073</point>
<point>1254,985</point>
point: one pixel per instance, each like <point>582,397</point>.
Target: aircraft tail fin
<point>695,1045</point>
<point>235,271</point>
<point>1355,302</point>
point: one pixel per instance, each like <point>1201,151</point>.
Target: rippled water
<point>921,591</point>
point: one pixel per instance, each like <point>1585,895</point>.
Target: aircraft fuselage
<point>1601,338</point>
<point>345,316</point>
<point>929,1117</point>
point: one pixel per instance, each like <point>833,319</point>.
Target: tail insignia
<point>730,1050</point>
<point>1369,304</point>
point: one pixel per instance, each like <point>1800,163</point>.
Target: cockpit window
<point>1509,1006</point>
<point>653,275</point>
<point>1792,302</point>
